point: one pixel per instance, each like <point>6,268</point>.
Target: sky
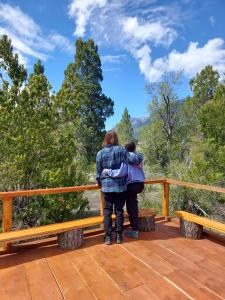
<point>138,40</point>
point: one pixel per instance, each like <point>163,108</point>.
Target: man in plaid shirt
<point>111,157</point>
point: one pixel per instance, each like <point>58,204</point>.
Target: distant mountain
<point>139,122</point>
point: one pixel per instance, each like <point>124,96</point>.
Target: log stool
<point>71,239</point>
<point>190,230</point>
<point>146,220</point>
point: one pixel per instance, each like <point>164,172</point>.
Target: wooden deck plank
<point>142,292</point>
<point>194,270</point>
<point>96,278</point>
<point>13,284</point>
<point>206,257</point>
<point>185,282</point>
<point>121,268</point>
<point>41,282</point>
<point>211,251</point>
<point>151,258</point>
<point>174,259</point>
<point>189,253</point>
<point>160,265</point>
<point>129,272</point>
<point>196,290</point>
<point>71,284</point>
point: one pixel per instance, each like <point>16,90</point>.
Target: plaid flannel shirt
<point>111,157</point>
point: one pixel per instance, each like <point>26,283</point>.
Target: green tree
<point>212,117</point>
<point>205,160</point>
<point>204,84</point>
<point>81,100</point>
<point>36,150</point>
<point>164,108</point>
<point>9,64</point>
<point>124,128</point>
<point>212,120</point>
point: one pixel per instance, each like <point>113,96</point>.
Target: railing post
<point>7,218</point>
<point>165,200</point>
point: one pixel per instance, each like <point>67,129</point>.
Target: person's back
<point>135,173</point>
<point>111,157</point>
<point>135,177</point>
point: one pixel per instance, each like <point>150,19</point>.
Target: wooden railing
<point>7,197</point>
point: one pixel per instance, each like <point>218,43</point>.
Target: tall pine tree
<point>37,151</point>
<point>124,128</point>
<point>81,100</point>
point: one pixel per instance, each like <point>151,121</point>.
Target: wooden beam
<point>165,200</point>
<point>196,186</point>
<point>155,181</point>
<point>201,221</point>
<point>61,190</point>
<point>101,203</point>
<point>6,219</point>
<point>51,191</point>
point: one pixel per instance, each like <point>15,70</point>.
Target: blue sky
<point>138,41</point>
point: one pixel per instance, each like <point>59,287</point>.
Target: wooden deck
<point>160,265</point>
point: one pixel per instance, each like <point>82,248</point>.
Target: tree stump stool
<point>146,220</point>
<point>190,230</point>
<point>71,239</point>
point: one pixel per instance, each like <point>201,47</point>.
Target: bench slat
<point>49,229</point>
<point>201,221</point>
<point>57,228</point>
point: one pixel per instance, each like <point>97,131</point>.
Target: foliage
<point>39,147</point>
<point>185,140</point>
<point>204,85</point>
<point>160,141</point>
<point>124,128</point>
<point>81,101</point>
<point>212,117</point>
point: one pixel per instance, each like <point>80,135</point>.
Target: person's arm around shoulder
<point>121,172</point>
<point>133,158</point>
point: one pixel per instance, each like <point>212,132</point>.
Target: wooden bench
<point>72,231</point>
<point>191,225</point>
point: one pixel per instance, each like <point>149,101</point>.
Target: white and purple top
<point>134,173</point>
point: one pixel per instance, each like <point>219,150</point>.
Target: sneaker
<point>108,240</point>
<point>132,233</point>
<point>119,238</point>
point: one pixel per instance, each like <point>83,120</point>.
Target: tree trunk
<point>190,230</point>
<point>146,221</point>
<point>71,239</point>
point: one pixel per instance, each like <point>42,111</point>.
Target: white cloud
<point>191,61</point>
<point>21,46</point>
<point>62,42</point>
<point>143,55</point>
<point>153,31</point>
<point>112,58</point>
<point>127,25</point>
<point>141,27</point>
<point>18,21</point>
<point>82,10</point>
<point>27,37</point>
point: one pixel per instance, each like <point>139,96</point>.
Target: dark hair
<point>130,145</point>
<point>111,137</point>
